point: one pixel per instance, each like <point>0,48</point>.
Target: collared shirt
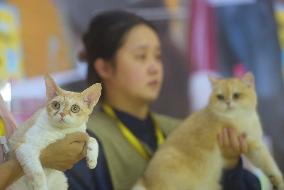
<point>143,129</point>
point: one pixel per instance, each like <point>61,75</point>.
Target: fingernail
<point>230,130</point>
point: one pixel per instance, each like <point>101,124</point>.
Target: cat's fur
<point>191,159</point>
<point>48,125</point>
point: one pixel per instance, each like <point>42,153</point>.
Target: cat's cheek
<point>81,118</point>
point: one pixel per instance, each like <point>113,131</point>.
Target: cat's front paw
<point>277,182</point>
<point>42,188</point>
<point>38,181</point>
<point>91,163</point>
<point>37,187</point>
<point>92,153</point>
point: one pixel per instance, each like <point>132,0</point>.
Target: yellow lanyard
<point>130,136</point>
<point>2,127</point>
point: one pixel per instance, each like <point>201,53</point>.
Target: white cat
<point>65,112</point>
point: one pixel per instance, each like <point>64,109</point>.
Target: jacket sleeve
<point>240,179</point>
<point>80,177</point>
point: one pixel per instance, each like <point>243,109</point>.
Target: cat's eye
<point>220,97</point>
<point>236,96</point>
<point>75,108</point>
<point>55,105</point>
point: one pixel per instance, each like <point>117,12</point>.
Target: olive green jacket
<point>124,163</point>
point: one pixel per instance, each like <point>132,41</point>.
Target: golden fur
<point>191,159</point>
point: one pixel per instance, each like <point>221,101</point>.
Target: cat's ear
<point>248,79</point>
<point>52,89</point>
<point>213,80</point>
<point>92,94</point>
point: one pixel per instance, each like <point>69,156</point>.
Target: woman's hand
<point>232,145</point>
<point>64,153</point>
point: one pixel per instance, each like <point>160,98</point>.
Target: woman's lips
<point>154,83</point>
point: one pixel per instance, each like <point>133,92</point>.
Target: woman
<point>123,52</point>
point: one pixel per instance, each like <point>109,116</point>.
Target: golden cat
<point>191,159</point>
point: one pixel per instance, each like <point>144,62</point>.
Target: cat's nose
<point>228,103</point>
<point>62,114</point>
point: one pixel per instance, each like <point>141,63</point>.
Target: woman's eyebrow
<point>144,46</point>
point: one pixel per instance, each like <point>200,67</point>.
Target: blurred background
<point>39,37</point>
<point>199,38</point>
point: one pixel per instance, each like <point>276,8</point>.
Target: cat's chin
<point>231,113</point>
<point>61,124</point>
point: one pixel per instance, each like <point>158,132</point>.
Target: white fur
<point>139,188</point>
<point>38,137</point>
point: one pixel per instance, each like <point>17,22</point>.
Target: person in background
<point>123,52</point>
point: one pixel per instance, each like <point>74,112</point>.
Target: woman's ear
<point>103,68</point>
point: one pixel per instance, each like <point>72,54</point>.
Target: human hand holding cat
<point>232,145</point>
<point>64,153</point>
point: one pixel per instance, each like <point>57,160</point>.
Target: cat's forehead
<point>229,85</point>
<point>69,98</point>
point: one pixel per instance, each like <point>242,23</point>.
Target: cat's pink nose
<point>62,114</point>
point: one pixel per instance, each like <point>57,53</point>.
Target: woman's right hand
<point>232,145</point>
<point>64,153</point>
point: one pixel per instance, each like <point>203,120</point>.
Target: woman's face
<point>139,71</point>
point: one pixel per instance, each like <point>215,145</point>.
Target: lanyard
<point>2,127</point>
<point>3,139</point>
<point>130,137</point>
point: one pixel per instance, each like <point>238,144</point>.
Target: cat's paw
<point>39,187</point>
<point>38,181</point>
<point>43,188</point>
<point>277,182</point>
<point>91,163</point>
<point>92,153</point>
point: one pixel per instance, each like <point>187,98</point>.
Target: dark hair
<point>105,36</point>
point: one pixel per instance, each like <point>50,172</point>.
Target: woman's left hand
<point>64,153</point>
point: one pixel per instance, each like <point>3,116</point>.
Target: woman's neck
<point>136,108</point>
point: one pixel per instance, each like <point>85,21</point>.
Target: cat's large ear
<point>213,80</point>
<point>92,94</point>
<point>248,79</point>
<point>52,89</point>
